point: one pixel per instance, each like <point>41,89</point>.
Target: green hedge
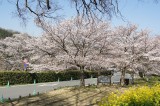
<point>15,78</point>
<point>19,77</point>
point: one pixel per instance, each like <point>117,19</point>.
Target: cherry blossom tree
<point>41,9</point>
<point>49,9</point>
<point>133,50</point>
<point>151,55</point>
<point>77,42</point>
<point>122,50</point>
<point>44,55</point>
<point>13,49</point>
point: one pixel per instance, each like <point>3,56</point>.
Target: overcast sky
<point>144,14</point>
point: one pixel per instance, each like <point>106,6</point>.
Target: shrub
<point>134,96</point>
<point>66,75</point>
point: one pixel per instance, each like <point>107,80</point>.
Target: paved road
<point>25,90</point>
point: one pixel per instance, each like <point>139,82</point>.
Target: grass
<point>69,96</point>
<point>150,82</point>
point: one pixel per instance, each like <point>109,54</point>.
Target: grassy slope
<point>70,96</point>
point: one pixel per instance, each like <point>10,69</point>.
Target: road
<point>24,90</point>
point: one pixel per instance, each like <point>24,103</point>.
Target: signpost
<point>34,92</point>
<point>8,85</point>
<point>2,99</point>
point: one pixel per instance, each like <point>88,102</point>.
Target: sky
<point>144,13</point>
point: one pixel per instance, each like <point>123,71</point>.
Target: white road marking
<point>47,85</point>
<point>38,84</point>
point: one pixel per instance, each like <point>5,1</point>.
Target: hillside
<point>6,33</point>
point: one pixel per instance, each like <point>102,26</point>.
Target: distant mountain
<point>7,33</point>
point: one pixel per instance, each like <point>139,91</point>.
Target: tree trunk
<point>82,81</point>
<point>97,77</point>
<point>110,82</point>
<point>132,75</point>
<point>112,73</point>
<point>122,80</point>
